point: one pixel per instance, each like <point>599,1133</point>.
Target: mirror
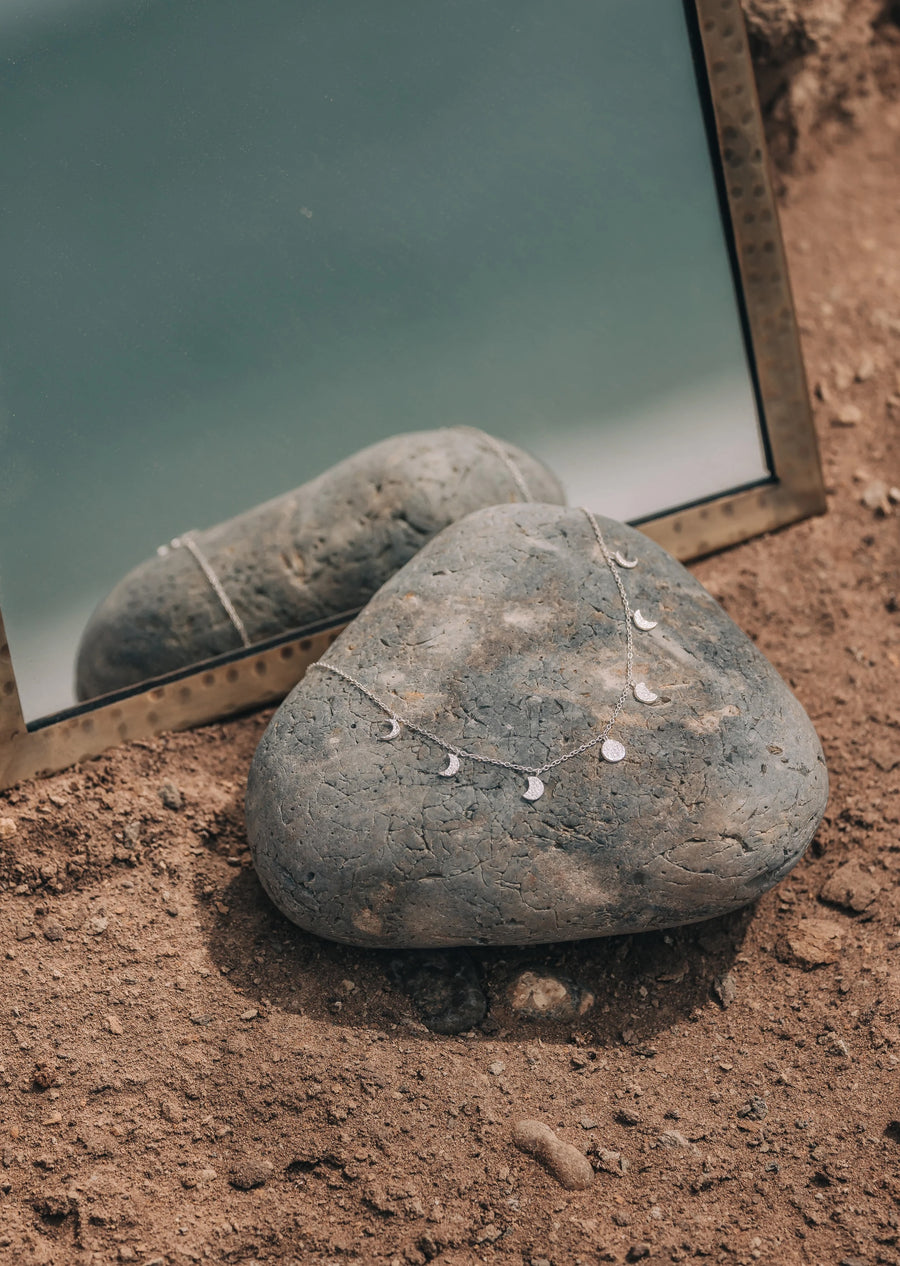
<point>244,241</point>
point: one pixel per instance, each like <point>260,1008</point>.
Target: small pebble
<point>875,498</point>
<point>569,1167</point>
<point>755,1109</point>
<point>171,796</point>
<point>851,888</point>
<point>248,1174</point>
<point>548,997</point>
<point>724,989</point>
<point>813,943</point>
<point>672,1138</point>
<point>8,828</point>
<point>43,1077</point>
<point>53,930</point>
<point>610,1162</point>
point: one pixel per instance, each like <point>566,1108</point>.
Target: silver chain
<point>186,541</point>
<point>512,466</point>
<point>536,770</point>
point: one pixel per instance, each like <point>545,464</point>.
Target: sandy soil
<point>186,1077</point>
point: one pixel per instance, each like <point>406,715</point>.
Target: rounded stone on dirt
<point>505,636</point>
<point>569,1167</point>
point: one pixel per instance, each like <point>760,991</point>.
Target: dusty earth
<point>186,1077</point>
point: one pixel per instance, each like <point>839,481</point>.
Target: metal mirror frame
<point>264,674</point>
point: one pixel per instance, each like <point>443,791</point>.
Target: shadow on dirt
<point>609,990</point>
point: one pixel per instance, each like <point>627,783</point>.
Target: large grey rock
<point>304,557</point>
<point>504,635</point>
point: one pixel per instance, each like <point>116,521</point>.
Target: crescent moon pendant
<point>535,789</point>
<point>392,732</point>
<point>643,693</point>
<point>623,561</point>
<point>452,766</point>
<point>643,623</point>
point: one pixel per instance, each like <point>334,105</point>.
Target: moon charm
<point>612,751</point>
<point>535,789</point>
<point>641,622</point>
<point>623,561</point>
<point>392,732</point>
<point>643,693</point>
<point>452,766</point>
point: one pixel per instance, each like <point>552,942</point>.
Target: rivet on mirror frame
<point>260,668</point>
<point>232,674</point>
<point>209,679</point>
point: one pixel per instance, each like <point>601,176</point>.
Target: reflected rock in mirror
<point>307,556</point>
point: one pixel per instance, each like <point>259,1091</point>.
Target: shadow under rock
<point>609,990</point>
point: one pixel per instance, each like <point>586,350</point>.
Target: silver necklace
<point>610,749</point>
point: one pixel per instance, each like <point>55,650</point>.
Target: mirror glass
<point>244,240</point>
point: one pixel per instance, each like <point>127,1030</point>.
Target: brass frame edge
<point>797,489</point>
<point>212,693</point>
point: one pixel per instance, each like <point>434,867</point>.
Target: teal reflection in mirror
<point>242,241</point>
